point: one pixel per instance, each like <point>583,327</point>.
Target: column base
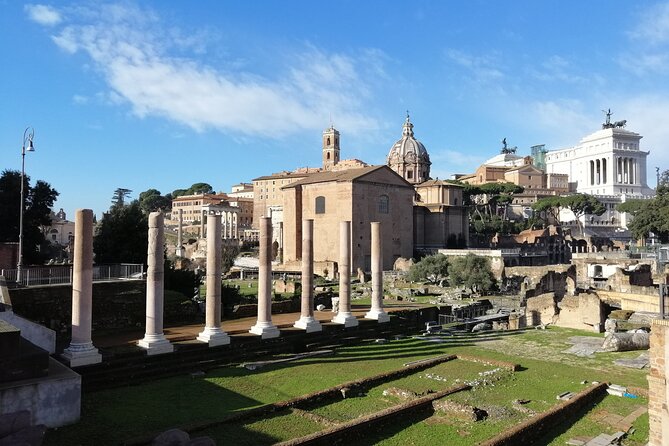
<point>378,315</point>
<point>156,344</point>
<point>308,323</point>
<point>266,330</point>
<point>77,355</point>
<point>214,336</point>
<point>347,319</point>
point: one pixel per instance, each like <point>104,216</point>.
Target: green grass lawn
<point>115,416</point>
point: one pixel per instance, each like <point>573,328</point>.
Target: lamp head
<point>30,147</point>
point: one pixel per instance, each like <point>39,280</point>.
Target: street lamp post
<point>28,136</point>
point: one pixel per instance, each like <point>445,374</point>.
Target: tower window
<point>410,174</point>
<point>320,205</point>
<point>328,141</point>
<point>384,204</point>
<point>328,155</point>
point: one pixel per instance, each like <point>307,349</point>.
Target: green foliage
<point>122,235</point>
<point>229,254</point>
<point>550,206</point>
<point>151,200</point>
<point>180,280</point>
<point>650,216</point>
<point>37,213</point>
<point>473,272</point>
<point>433,269</point>
<point>119,197</point>
<point>196,188</point>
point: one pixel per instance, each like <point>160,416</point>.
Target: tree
<point>122,235</point>
<point>550,206</point>
<point>650,216</point>
<point>151,200</point>
<point>473,272</point>
<point>433,269</point>
<point>200,188</point>
<point>120,194</point>
<point>37,213</point>
<point>582,204</point>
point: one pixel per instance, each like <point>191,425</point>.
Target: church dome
<point>408,156</point>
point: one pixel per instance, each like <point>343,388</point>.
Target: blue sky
<point>163,94</point>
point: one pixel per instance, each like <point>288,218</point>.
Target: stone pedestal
<point>307,321</point>
<point>377,312</point>
<point>154,340</point>
<point>344,315</point>
<point>213,334</point>
<point>81,350</point>
<point>264,326</point>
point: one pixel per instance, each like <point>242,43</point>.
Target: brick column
<point>307,321</point>
<point>344,316</point>
<point>213,334</point>
<point>81,350</point>
<point>154,340</point>
<point>377,312</point>
<point>264,326</point>
<point>658,414</point>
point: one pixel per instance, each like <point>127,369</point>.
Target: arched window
<point>320,205</point>
<point>384,204</point>
<point>328,141</point>
<point>328,155</point>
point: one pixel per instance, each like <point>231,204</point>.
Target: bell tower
<point>330,148</point>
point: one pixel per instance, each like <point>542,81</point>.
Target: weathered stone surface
<point>541,310</point>
<point>461,411</point>
<point>583,312</point>
<point>400,393</point>
<point>611,326</point>
<point>482,327</point>
<point>12,422</point>
<point>622,342</point>
<point>402,264</point>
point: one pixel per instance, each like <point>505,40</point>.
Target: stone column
<point>264,326</point>
<point>180,230</point>
<point>658,385</point>
<point>202,218</point>
<point>154,340</point>
<point>344,316</point>
<point>213,334</point>
<point>377,312</point>
<point>81,350</point>
<point>307,320</point>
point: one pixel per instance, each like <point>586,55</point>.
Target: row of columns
<point>82,352</point>
<point>627,169</point>
<point>229,224</point>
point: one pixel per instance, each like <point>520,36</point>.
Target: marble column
<point>180,230</point>
<point>344,315</point>
<point>377,312</point>
<point>307,321</point>
<point>202,218</point>
<point>264,326</point>
<point>154,340</point>
<point>213,334</point>
<point>81,350</point>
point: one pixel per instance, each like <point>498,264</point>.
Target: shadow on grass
<point>567,422</point>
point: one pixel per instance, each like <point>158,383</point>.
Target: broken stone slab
<point>584,346</point>
<point>565,396</point>
<point>634,363</point>
<point>482,326</point>
<point>611,326</point>
<point>622,342</point>
<point>459,410</point>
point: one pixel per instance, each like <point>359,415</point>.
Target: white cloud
<point>556,68</point>
<point>79,99</point>
<point>130,50</point>
<point>484,67</point>
<point>654,25</point>
<point>43,14</point>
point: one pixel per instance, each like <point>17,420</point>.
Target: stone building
<point>609,164</point>
<point>440,219</point>
<point>408,156</point>
<point>361,195</point>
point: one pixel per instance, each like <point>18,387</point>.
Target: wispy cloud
<point>556,68</point>
<point>483,67</point>
<point>653,27</point>
<point>135,55</point>
<point>43,14</point>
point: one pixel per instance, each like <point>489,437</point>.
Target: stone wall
<point>631,301</point>
<point>541,309</point>
<point>657,384</point>
<point>560,279</point>
<point>583,312</point>
<point>116,304</point>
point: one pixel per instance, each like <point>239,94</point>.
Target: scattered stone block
<point>565,396</point>
<point>400,393</point>
<point>458,410</point>
<point>622,342</point>
<point>483,326</point>
<point>171,437</point>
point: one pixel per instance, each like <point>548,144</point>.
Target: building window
<point>409,174</point>
<point>384,204</point>
<point>320,205</point>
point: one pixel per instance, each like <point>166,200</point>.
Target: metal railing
<point>62,274</point>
